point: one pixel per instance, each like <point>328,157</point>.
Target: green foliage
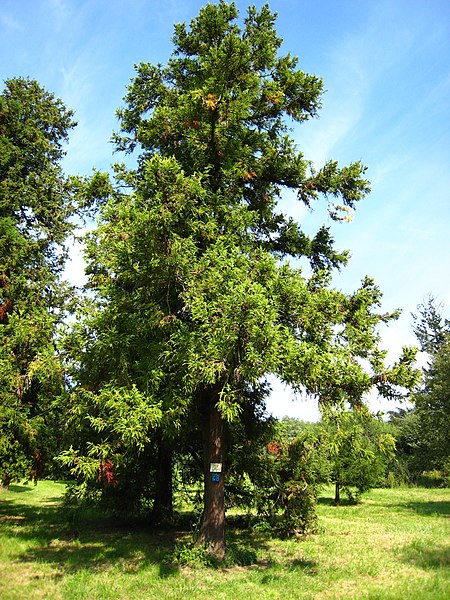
<point>434,478</point>
<point>286,479</point>
<point>35,207</point>
<point>291,428</point>
<point>193,301</point>
<point>430,327</point>
<point>190,554</point>
<point>432,407</point>
<point>115,458</point>
<point>423,430</point>
<point>360,447</point>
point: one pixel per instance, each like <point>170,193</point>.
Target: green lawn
<point>396,544</point>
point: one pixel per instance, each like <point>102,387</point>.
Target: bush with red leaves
<point>106,474</point>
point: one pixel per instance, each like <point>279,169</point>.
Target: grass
<point>395,545</point>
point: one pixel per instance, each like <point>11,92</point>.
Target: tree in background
<point>422,431</point>
<point>359,448</point>
<point>430,326</point>
<point>432,408</point>
<point>35,208</point>
<point>431,412</point>
<point>195,300</point>
<point>404,425</point>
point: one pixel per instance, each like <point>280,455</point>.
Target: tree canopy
<point>35,209</point>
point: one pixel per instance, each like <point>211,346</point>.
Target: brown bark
<point>337,494</point>
<point>4,484</point>
<point>212,530</point>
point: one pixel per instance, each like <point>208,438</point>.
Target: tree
<point>432,406</point>
<point>196,300</point>
<point>423,443</point>
<point>430,326</point>
<point>290,473</point>
<point>35,208</point>
<point>115,460</point>
<point>359,448</point>
<point>432,400</point>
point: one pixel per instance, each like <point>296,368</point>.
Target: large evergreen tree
<point>35,207</point>
<point>196,300</point>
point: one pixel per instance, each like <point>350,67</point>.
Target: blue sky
<point>386,68</point>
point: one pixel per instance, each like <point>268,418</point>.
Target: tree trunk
<point>163,505</point>
<point>4,484</point>
<point>212,530</point>
<point>337,494</point>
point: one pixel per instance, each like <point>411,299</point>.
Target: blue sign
<point>215,477</point>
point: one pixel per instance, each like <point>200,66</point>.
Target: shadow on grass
<point>70,542</point>
<point>71,545</point>
<point>427,557</point>
<point>19,489</point>
<point>429,508</point>
<point>326,501</point>
<point>304,564</point>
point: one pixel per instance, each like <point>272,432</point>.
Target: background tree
<point>359,448</point>
<point>431,412</point>
<point>404,423</point>
<point>422,431</point>
<point>35,208</point>
<point>432,407</point>
<point>292,427</point>
<point>196,301</point>
<point>430,326</point>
